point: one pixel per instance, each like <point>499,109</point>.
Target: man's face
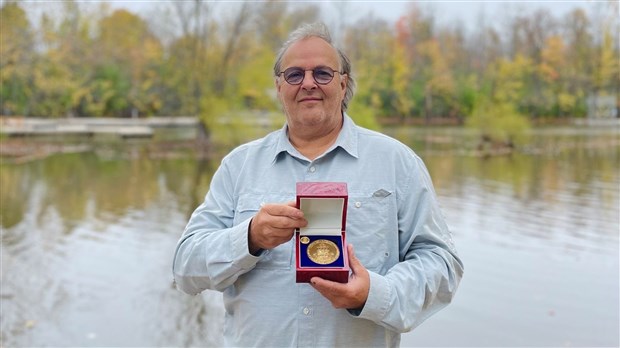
<point>310,105</point>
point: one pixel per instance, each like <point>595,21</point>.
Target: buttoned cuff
<point>378,300</point>
<point>240,249</point>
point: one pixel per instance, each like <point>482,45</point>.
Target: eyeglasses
<point>322,75</point>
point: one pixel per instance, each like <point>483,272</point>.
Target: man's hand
<point>351,295</point>
<point>274,224</point>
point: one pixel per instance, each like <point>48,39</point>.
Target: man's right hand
<point>274,224</point>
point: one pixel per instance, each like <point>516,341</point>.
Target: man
<point>239,241</point>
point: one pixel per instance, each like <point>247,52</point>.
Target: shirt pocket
<point>369,228</point>
<point>280,257</point>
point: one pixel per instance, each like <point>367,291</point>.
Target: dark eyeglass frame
<point>315,71</point>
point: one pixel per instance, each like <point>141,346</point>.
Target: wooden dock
<point>123,127</point>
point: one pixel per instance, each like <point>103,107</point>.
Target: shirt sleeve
<point>212,253</point>
<point>430,270</point>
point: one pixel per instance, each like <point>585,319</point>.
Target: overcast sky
<point>392,10</point>
<point>446,12</point>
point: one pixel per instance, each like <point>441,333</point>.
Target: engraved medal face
<point>304,240</point>
<point>323,251</point>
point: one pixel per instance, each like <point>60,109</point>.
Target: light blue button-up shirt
<point>393,221</point>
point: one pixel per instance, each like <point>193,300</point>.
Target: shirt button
<point>306,310</point>
<point>312,169</point>
<point>358,204</point>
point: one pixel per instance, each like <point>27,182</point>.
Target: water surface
<point>88,238</point>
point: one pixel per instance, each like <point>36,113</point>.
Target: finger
<point>283,210</point>
<point>354,262</point>
<point>334,292</point>
<point>282,235</point>
<point>270,237</point>
<point>326,287</point>
<point>286,222</point>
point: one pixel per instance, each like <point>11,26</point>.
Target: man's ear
<point>344,79</point>
<point>276,81</point>
<point>278,87</point>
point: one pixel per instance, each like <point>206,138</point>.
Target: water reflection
<point>87,241</point>
<point>73,184</point>
<point>569,182</point>
<point>534,192</point>
<point>86,250</point>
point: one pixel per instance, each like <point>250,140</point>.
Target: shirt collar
<point>347,140</point>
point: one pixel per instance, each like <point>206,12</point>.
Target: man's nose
<point>308,82</point>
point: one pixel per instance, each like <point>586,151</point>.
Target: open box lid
<point>324,206</point>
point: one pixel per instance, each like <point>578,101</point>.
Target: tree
<point>17,55</point>
<point>369,44</point>
<point>552,72</point>
<point>579,43</point>
<point>497,117</point>
<point>269,23</point>
<point>484,49</point>
<point>61,75</point>
<point>255,81</point>
<point>126,42</point>
<point>499,124</point>
<point>233,37</point>
<point>529,32</point>
<point>401,71</point>
<point>606,72</point>
<point>214,57</point>
<point>438,77</point>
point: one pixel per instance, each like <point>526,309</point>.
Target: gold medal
<point>304,240</point>
<point>323,251</point>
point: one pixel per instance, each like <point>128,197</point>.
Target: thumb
<point>354,262</point>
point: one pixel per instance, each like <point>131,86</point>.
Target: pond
<point>88,239</point>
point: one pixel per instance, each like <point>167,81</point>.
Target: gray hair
<point>318,30</point>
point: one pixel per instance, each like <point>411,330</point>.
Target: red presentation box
<point>321,249</point>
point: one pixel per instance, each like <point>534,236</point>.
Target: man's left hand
<point>351,295</point>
